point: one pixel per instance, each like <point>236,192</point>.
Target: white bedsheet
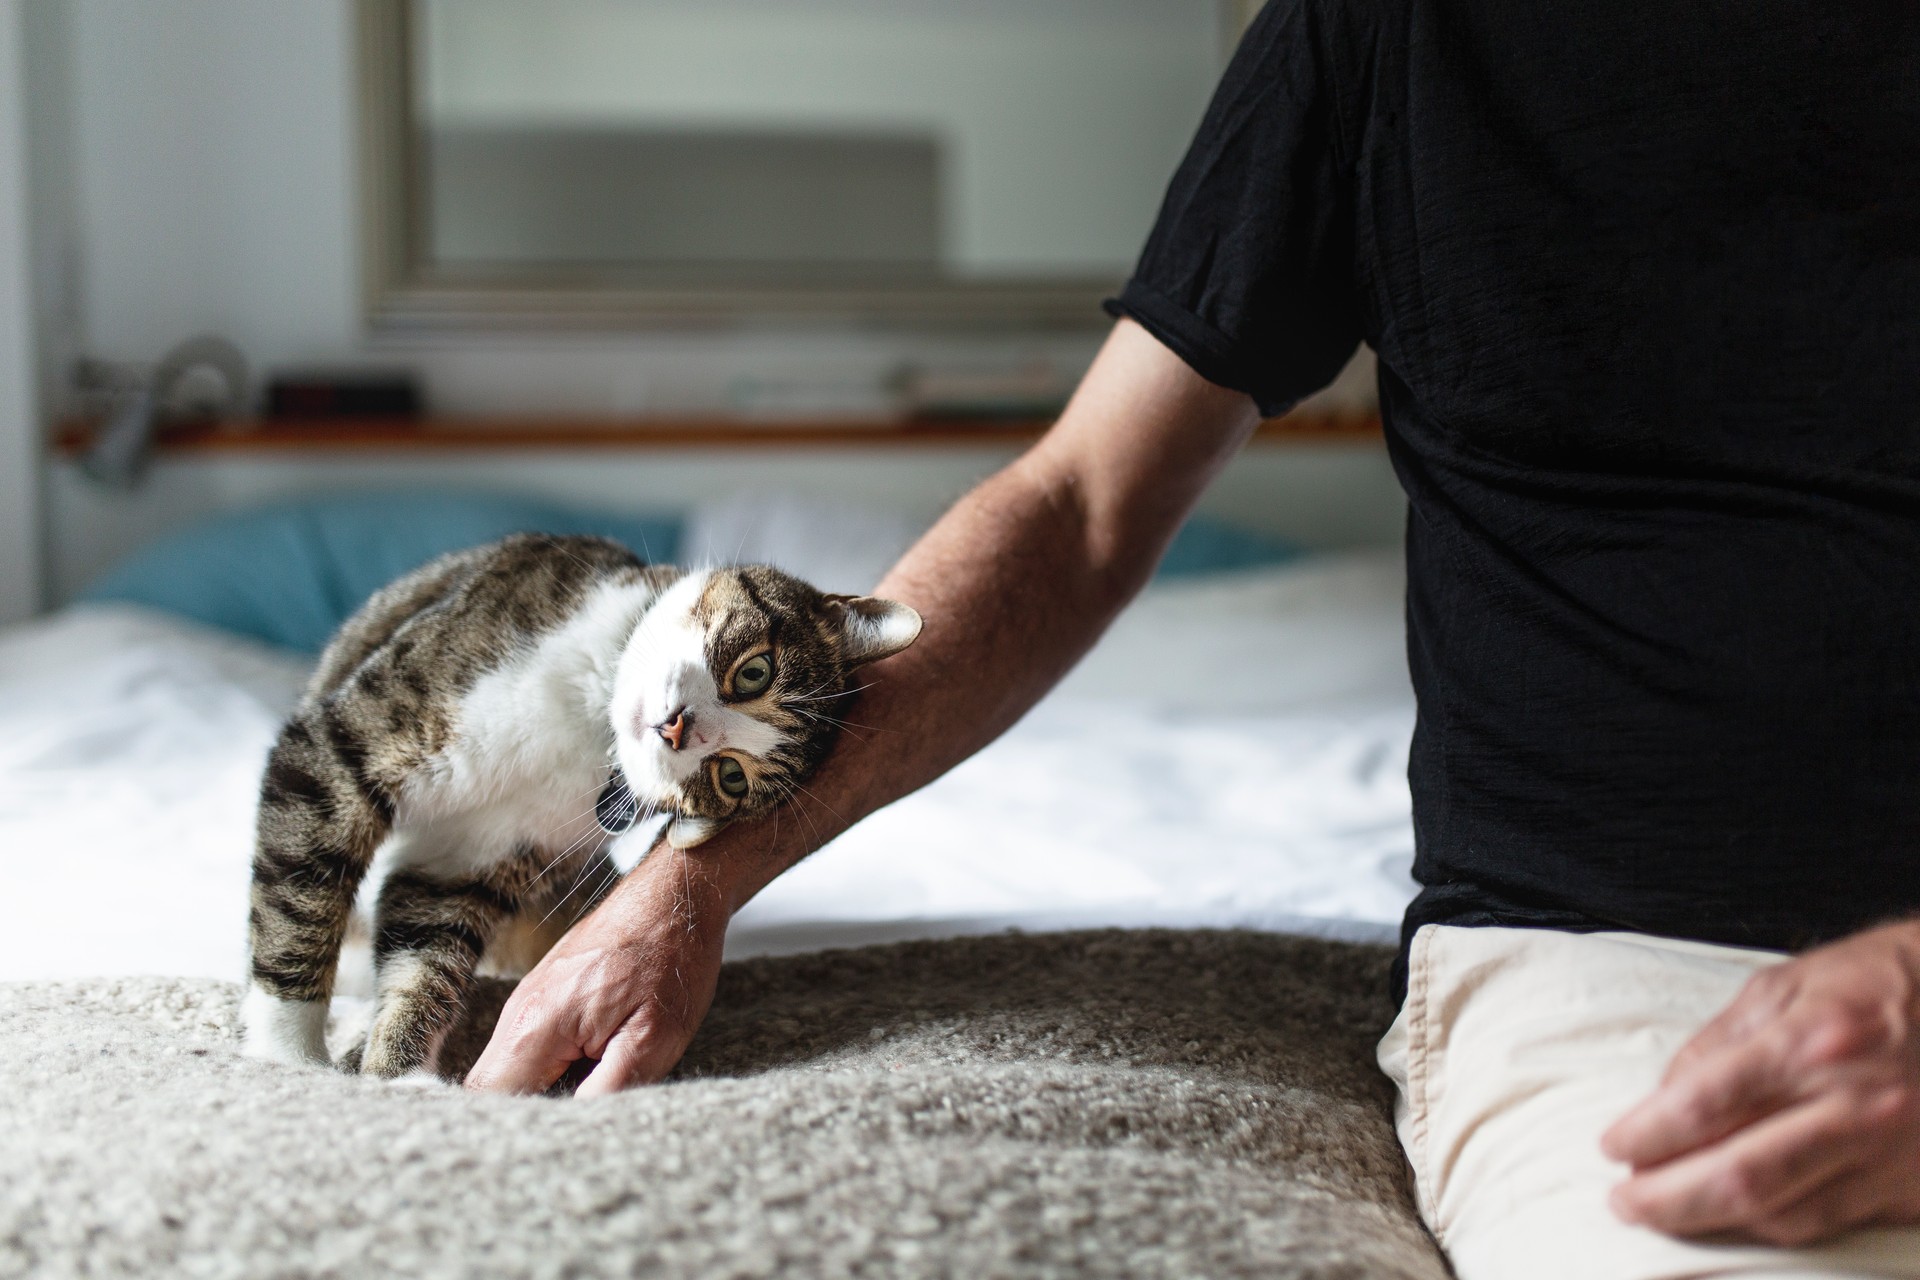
<point>1233,753</point>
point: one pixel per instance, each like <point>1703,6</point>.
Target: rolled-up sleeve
<point>1248,275</point>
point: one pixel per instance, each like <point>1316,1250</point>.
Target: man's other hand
<point>627,986</point>
<point>1795,1114</point>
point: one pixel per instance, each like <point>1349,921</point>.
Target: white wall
<point>215,170</point>
<point>203,152</point>
<point>20,563</point>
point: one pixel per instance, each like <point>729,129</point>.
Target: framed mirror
<point>640,162</point>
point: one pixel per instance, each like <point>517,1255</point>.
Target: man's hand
<point>627,986</point>
<point>1795,1114</point>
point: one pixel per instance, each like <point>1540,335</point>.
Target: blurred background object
<point>320,395</point>
<point>202,378</point>
<point>622,255</point>
<point>20,427</point>
<point>874,159</point>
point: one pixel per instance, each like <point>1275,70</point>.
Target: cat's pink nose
<point>676,725</point>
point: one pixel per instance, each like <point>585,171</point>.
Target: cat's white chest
<point>530,750</point>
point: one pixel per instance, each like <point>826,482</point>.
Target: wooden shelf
<point>567,434</point>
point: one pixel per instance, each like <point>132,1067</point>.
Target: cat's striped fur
<point>458,730</point>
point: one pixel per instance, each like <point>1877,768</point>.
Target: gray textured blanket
<point>1141,1103</point>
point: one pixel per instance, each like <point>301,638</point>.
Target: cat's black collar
<point>616,809</point>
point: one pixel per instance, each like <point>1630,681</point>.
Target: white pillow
<point>1329,626</point>
<point>843,548</point>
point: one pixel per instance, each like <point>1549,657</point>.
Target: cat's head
<point>730,690</point>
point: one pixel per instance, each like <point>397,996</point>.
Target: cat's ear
<point>872,628</point>
<point>684,833</point>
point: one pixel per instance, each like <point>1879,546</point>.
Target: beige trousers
<point>1515,1050</point>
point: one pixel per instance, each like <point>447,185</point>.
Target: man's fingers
<point>1737,1022</point>
<point>528,1058</point>
<point>1757,1007</point>
<point>1753,1179</point>
<point>1710,1099</point>
<point>634,1056</point>
<point>506,1071</point>
<point>1852,1199</point>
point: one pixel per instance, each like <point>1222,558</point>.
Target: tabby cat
<point>478,732</point>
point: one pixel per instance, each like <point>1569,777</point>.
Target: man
<point>1645,286</point>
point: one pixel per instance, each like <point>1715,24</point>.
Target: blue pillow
<point>290,574</point>
<point>1205,545</point>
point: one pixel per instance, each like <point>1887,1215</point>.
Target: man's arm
<point>1015,583</point>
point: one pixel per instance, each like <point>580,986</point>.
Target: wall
<point>19,423</point>
<point>53,208</point>
<point>209,185</point>
<point>215,169</point>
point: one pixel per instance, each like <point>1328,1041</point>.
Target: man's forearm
<point>1015,583</point>
<point>991,647</point>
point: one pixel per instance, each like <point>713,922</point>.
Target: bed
<point>1161,899</point>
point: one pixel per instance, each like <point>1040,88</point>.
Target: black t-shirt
<point>1645,285</point>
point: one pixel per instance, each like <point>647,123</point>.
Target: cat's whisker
<point>844,724</point>
<point>593,791</point>
<point>784,793</point>
<point>591,811</point>
<point>567,850</point>
<point>812,826</point>
<point>844,727</point>
<point>605,881</point>
<point>808,696</point>
<point>572,845</point>
<point>686,888</point>
<point>578,880</point>
<point>612,878</point>
<point>822,803</point>
<point>647,812</point>
<point>740,546</point>
<point>829,697</point>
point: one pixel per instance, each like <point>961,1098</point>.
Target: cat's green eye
<point>733,778</point>
<point>754,675</point>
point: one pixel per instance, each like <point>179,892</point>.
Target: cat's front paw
<point>278,1030</point>
<point>394,1049</point>
<point>353,1061</point>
